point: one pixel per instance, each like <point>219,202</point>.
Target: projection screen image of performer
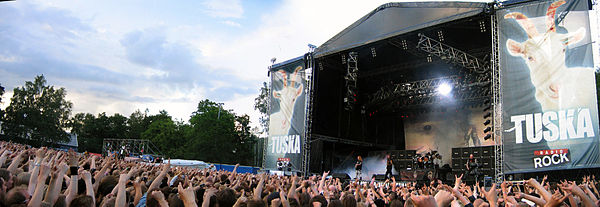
<point>471,138</point>
<point>358,168</point>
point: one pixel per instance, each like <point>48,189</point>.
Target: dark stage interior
<point>339,135</point>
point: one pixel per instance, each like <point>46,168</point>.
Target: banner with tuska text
<point>286,120</point>
<point>550,114</point>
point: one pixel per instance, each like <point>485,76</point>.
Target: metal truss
<point>132,146</point>
<point>497,102</point>
<point>309,90</point>
<point>351,80</point>
<point>319,137</point>
<point>451,54</point>
<point>422,92</point>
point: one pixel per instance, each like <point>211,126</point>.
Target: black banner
<point>286,119</point>
<point>550,115</point>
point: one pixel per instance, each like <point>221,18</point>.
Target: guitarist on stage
<point>388,169</point>
<point>358,168</point>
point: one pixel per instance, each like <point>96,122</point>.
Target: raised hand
<point>457,181</point>
<point>556,199</point>
<point>423,201</point>
<point>492,195</point>
<point>443,198</point>
<point>187,195</point>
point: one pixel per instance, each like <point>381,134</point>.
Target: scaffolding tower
<point>132,147</point>
<point>497,103</point>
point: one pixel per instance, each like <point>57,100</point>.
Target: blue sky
<point>119,56</point>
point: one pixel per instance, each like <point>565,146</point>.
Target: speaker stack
<point>403,159</point>
<point>483,155</point>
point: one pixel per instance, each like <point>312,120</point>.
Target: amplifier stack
<point>483,155</point>
<point>403,159</point>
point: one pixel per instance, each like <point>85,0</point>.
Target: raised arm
<point>36,199</point>
<point>56,184</point>
<point>576,190</point>
<point>72,190</point>
<point>545,194</point>
<point>156,182</point>
<point>89,188</point>
<point>14,165</point>
<point>537,200</point>
<point>259,187</point>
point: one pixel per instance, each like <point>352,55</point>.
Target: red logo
<point>550,152</point>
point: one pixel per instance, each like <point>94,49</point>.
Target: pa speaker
<point>341,176</point>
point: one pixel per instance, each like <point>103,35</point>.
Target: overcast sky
<point>119,56</point>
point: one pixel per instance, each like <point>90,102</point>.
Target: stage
<point>446,77</point>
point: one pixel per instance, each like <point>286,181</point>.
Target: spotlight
<point>487,122</point>
<point>487,108</point>
<point>487,136</point>
<point>488,114</point>
<point>444,89</point>
<point>486,130</point>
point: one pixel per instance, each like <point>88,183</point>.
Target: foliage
<point>37,114</point>
<point>1,94</point>
<point>261,103</point>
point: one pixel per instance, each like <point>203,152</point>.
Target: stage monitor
<point>286,116</point>
<point>550,114</point>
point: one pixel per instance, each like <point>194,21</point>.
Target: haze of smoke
<point>371,165</point>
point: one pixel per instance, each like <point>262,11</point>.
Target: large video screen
<point>443,130</point>
<point>550,115</point>
<point>286,119</point>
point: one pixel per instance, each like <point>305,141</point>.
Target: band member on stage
<point>388,169</point>
<point>420,163</point>
<point>473,167</point>
<point>437,162</point>
<point>358,168</point>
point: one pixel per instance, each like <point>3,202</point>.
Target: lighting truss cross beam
<point>451,54</point>
<point>423,92</point>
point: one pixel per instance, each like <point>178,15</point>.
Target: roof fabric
<point>393,19</point>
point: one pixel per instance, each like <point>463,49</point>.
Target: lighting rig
<point>351,78</point>
<point>474,84</point>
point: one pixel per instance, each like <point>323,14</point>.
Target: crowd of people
<point>47,177</point>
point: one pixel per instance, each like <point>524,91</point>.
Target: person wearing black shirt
<point>358,168</point>
<point>388,169</point>
<point>473,167</point>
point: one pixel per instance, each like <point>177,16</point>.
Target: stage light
<point>488,114</point>
<point>487,136</point>
<point>487,108</point>
<point>488,129</point>
<point>444,89</point>
<point>487,122</point>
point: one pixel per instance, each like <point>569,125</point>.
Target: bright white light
<point>444,89</point>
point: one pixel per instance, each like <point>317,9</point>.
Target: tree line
<point>40,115</point>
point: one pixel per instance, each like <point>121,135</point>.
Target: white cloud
<point>224,8</point>
<point>232,23</point>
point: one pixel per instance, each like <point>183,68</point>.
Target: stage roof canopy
<point>393,19</point>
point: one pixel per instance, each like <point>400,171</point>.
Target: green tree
<point>217,135</point>
<point>38,113</point>
<point>165,134</point>
<point>138,122</point>
<point>261,103</point>
<point>1,112</point>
